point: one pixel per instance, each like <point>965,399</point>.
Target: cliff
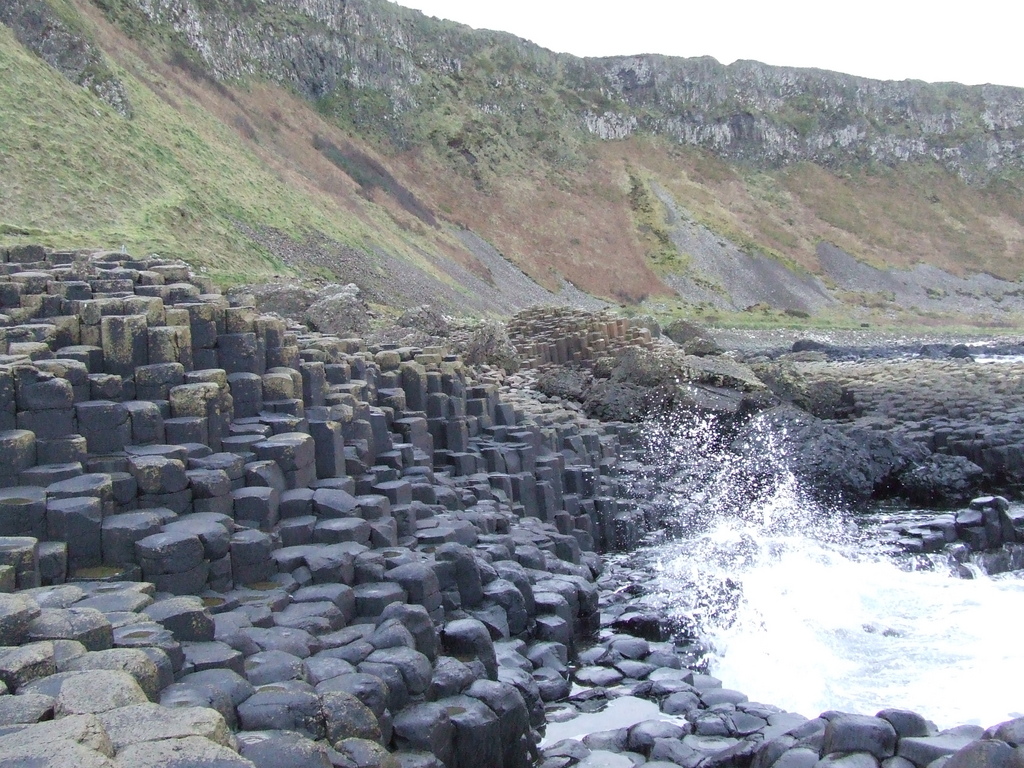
<point>678,180</point>
<point>390,70</point>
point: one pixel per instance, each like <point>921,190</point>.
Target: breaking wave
<point>798,604</point>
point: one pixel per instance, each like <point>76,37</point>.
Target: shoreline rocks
<point>207,510</point>
<point>228,540</point>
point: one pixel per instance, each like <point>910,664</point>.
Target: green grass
<point>172,181</point>
<point>649,218</point>
<point>80,175</point>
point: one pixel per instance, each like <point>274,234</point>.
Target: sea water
<point>799,606</point>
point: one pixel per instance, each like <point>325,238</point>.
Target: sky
<point>967,42</point>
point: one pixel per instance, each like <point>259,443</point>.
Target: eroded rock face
<point>39,28</point>
<point>339,310</point>
<point>743,111</point>
<point>285,299</point>
<point>489,345</point>
<point>694,339</point>
<point>642,383</point>
<point>856,463</point>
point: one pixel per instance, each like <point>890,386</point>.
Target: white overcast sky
<point>979,41</point>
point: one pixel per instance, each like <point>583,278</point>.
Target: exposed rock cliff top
<point>394,70</point>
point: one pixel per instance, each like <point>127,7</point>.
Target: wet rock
<point>477,733</point>
<point>905,722</point>
<point>680,703</point>
<point>469,639</point>
<point>450,677</point>
<point>924,750</point>
<point>278,707</point>
<point>642,736</point>
<point>942,480</point>
<point>426,727</point>
<point>599,676</point>
<point>551,685</point>
<point>282,749</point>
<point>986,753</point>
<point>599,758</point>
<point>1011,731</point>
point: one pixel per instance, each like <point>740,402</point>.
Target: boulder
<point>941,480</point>
<point>339,311</point>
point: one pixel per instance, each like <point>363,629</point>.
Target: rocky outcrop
<point>489,344</point>
<point>989,534</point>
<point>777,115</point>
<point>694,339</point>
<point>850,463</point>
<point>964,415</point>
<point>338,310</point>
<point>379,65</point>
<point>62,44</point>
<point>226,538</point>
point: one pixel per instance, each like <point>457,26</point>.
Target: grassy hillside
<point>188,175</point>
<point>209,168</point>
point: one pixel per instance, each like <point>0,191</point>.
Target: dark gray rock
<point>450,678</point>
<point>427,727</point>
<point>346,717</point>
<point>941,480</point>
<point>419,624</point>
<point>986,753</point>
<point>185,617</point>
<point>369,689</point>
<point>642,736</point>
<point>477,732</point>
<point>513,719</point>
<point>272,667</point>
<point>469,639</point>
<point>233,684</point>
<point>281,707</point>
<point>905,722</point>
<point>282,749</point>
<point>1011,731</point>
<point>924,750</point>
